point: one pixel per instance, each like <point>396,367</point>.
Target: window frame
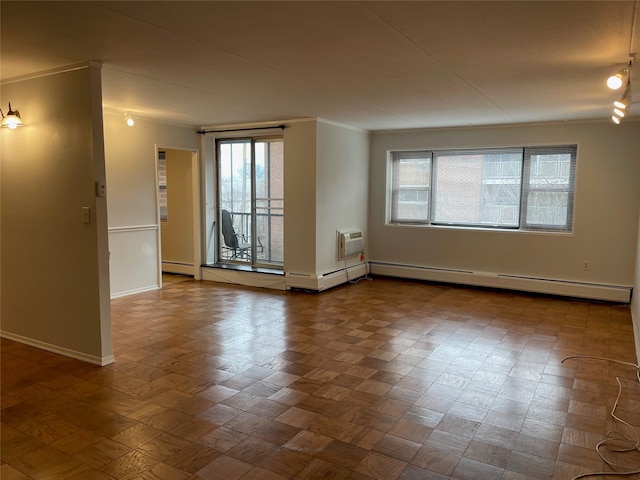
<point>526,188</point>
<point>569,189</point>
<point>161,175</point>
<point>396,189</point>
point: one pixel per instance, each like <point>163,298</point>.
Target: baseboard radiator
<point>181,268</point>
<point>324,281</point>
<point>593,291</point>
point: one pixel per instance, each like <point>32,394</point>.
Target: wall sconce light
<point>129,120</point>
<point>12,119</point>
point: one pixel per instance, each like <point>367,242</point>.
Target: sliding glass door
<point>251,201</point>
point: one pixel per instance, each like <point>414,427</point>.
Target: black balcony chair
<point>237,244</point>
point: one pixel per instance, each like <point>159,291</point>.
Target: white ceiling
<point>373,65</point>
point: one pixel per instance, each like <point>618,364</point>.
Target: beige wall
<point>342,190</point>
<point>605,214</point>
<point>55,278</point>
<point>300,140</point>
<point>131,194</point>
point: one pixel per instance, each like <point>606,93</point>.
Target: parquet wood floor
<point>385,380</point>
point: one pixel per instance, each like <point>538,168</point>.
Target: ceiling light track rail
<point>270,127</point>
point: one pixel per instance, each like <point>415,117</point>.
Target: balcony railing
<point>269,241</point>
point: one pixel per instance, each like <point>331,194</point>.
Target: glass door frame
<point>253,260</point>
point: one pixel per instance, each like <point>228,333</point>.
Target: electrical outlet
<point>586,265</point>
<point>101,189</point>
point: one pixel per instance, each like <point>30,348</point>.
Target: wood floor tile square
<point>344,454</point>
<point>48,461</point>
<point>411,431</point>
<point>488,453</point>
<point>276,432</point>
<point>101,453</point>
<point>308,442</point>
<point>10,473</point>
<point>224,467</point>
<point>163,446</point>
<point>531,465</point>
<point>436,459</point>
<point>584,457</point>
<point>397,447</point>
<point>537,446</point>
<point>193,458</point>
<point>497,436</point>
<point>162,471</point>
<point>469,469</point>
<point>320,469</point>
<point>131,464</point>
<point>285,462</point>
<point>252,450</point>
<point>222,439</point>
<point>380,467</point>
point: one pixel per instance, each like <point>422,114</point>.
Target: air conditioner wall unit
<point>350,243</point>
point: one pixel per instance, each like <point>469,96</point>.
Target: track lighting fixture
<point>621,106</point>
<point>12,119</point>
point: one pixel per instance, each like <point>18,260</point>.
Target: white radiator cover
<point>593,291</point>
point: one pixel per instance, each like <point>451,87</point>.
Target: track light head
<point>625,101</point>
<point>617,80</point>
<point>614,82</point>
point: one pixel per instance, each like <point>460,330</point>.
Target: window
<point>510,188</point>
<point>412,185</point>
<point>549,177</point>
<point>162,185</point>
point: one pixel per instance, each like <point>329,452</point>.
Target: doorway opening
<point>178,211</point>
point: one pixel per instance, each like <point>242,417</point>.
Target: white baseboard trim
<point>179,268</point>
<point>101,361</point>
<point>240,277</point>
<point>320,282</point>
<point>134,291</point>
<point>636,333</point>
<point>567,288</point>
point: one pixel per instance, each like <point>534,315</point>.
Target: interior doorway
<point>178,197</point>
